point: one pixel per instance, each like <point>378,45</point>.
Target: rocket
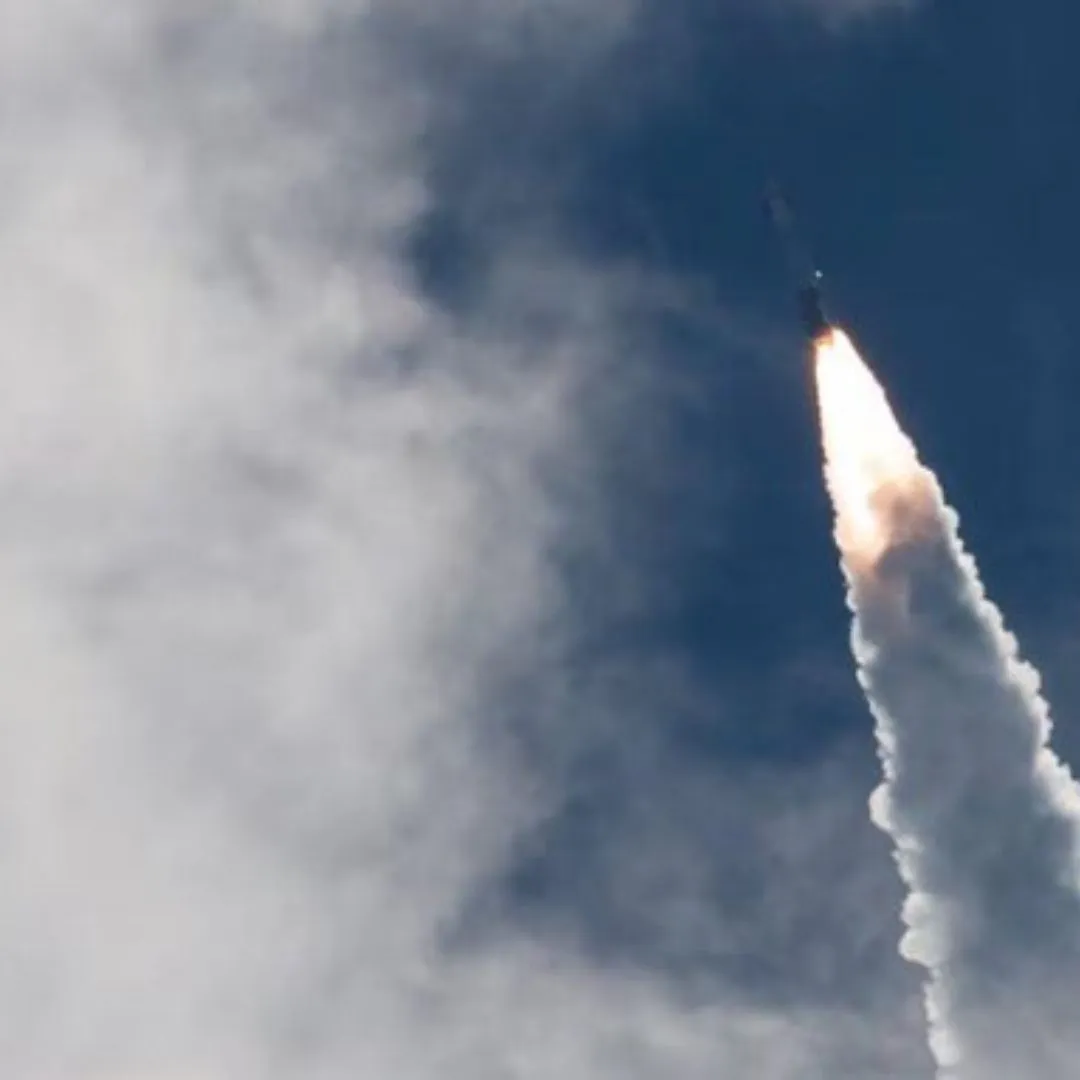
<point>806,275</point>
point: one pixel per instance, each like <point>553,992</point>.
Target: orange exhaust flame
<point>877,485</point>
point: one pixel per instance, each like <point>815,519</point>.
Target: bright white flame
<point>870,464</point>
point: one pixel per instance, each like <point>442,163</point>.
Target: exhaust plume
<point>983,815</point>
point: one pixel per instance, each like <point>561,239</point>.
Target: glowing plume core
<point>871,465</point>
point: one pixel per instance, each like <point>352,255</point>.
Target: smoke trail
<point>984,817</point>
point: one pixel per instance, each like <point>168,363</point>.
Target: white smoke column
<point>984,817</point>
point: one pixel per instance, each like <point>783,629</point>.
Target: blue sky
<point>929,156</point>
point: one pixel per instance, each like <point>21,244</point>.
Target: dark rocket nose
<point>811,311</point>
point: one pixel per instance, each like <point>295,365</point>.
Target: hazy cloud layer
<point>266,521</point>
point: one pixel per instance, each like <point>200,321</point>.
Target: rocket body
<point>807,277</point>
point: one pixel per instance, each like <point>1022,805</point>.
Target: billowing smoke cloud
<point>269,525</point>
<point>985,819</point>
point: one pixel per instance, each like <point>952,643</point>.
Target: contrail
<point>985,819</point>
